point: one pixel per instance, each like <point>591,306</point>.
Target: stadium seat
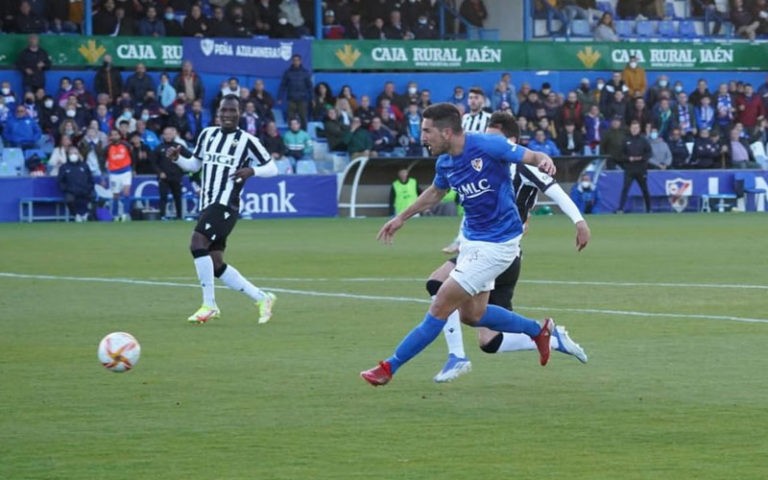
<point>745,184</point>
<point>279,118</point>
<point>313,128</point>
<point>319,149</point>
<point>607,7</point>
<point>12,163</point>
<point>688,29</point>
<point>306,167</point>
<point>669,11</point>
<point>667,29</point>
<point>624,28</point>
<point>581,28</point>
<point>284,166</point>
<point>645,29</point>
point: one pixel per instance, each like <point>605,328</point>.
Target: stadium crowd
<point>709,126</point>
<point>352,19</point>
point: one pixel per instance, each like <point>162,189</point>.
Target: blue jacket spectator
<point>383,140</point>
<point>165,92</point>
<point>138,84</point>
<point>705,114</point>
<point>585,195</point>
<point>21,130</point>
<point>540,143</point>
<point>198,118</point>
<point>151,26</point>
<point>296,85</point>
<point>505,97</point>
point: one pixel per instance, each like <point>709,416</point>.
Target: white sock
<point>453,336</point>
<point>234,280</point>
<point>204,267</point>
<point>514,342</point>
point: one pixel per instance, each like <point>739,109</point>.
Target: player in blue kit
<point>477,167</point>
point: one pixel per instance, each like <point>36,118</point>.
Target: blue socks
<point>503,320</point>
<point>416,341</point>
<point>126,205</point>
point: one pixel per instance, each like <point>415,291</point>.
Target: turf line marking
<point>311,293</point>
<point>534,282</point>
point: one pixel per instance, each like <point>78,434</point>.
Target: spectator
<point>345,111</point>
<point>530,105</point>
<point>33,61</point>
<point>707,152</point>
<point>744,22</point>
<point>618,107</point>
<point>68,128</point>
<point>585,195</point>
<point>165,92</point>
<point>141,155</point>
<point>296,86</point>
<point>59,155</point>
<point>634,78</point>
<point>552,106</point>
<point>353,29</point>
<point>570,141</point>
<point>708,10</point>
<point>583,94</point>
<point>636,151</point>
<point>382,137</point>
<point>73,111</point>
<point>425,100</point>
<point>219,25</point>
<point>30,105</point>
<point>148,137</point>
<point>411,95</point>
<point>761,14</point>
<point>151,26</point>
<point>189,83</point>
<point>654,93</point>
<point>169,174</point>
<point>108,80</point>
<point>65,91</point>
<point>298,144</point>
<point>702,90</point>
<point>641,9</point>
<point>685,117</point>
<point>638,111</point>
<point>76,183</point>
<point>267,16</point>
<point>249,120</point>
<point>605,31</point>
<point>195,24</point>
<point>540,143</point>
<point>607,96</point>
<point>332,30</point>
<point>138,84</point>
<point>375,30</point>
<point>504,97</point>
<point>749,108</point>
<point>178,120</point>
<point>262,100</point>
<point>413,131</point>
<point>661,156</point>
<point>172,26</point>
<point>474,13</point>
<point>292,13</point>
<point>29,22</point>
<point>612,142</point>
<point>336,132</point>
<point>84,97</point>
<point>365,112</point>
<point>240,28</point>
<point>321,102</point>
<point>245,10</point>
<point>663,119</point>
<point>705,114</point>
<point>360,142</point>
<point>740,154</point>
<point>572,111</point>
<point>459,98</point>
<point>20,130</point>
<point>724,108</point>
<point>389,93</point>
<point>389,111</point>
<point>273,142</point>
<point>50,116</point>
<point>346,93</point>
<point>593,125</point>
<point>678,149</point>
<point>424,29</point>
<point>105,20</point>
<point>93,148</point>
<point>395,30</point>
<point>526,133</point>
<point>198,119</point>
<point>126,26</point>
<point>7,94</point>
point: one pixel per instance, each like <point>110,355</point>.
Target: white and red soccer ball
<point>119,352</point>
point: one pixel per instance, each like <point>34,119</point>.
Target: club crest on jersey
<point>477,164</point>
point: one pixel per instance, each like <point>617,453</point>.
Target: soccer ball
<point>119,352</point>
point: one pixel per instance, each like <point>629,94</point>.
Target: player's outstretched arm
<point>191,164</point>
<point>428,199</point>
<point>542,161</point>
<point>583,234</point>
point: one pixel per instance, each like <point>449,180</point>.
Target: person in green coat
<point>360,142</point>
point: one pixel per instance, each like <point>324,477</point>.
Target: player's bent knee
<point>433,286</point>
<point>492,346</point>
<point>199,252</point>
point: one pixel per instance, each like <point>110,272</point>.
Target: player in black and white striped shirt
<point>227,156</point>
<point>476,120</point>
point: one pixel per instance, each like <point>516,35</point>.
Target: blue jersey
<point>480,176</point>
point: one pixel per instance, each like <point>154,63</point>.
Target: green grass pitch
<point>672,310</point>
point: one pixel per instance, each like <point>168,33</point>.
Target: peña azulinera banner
<point>240,56</point>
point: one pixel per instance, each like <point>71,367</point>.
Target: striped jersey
<point>222,154</point>
<point>475,122</point>
<point>527,182</point>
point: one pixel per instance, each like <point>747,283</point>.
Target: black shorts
<point>216,223</point>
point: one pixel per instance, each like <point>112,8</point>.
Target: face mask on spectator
<point>169,16</point>
<point>412,90</point>
<point>600,86</point>
<point>48,104</point>
<point>654,135</point>
<point>663,83</point>
<point>632,64</point>
<point>71,113</point>
<point>145,117</point>
<point>126,115</point>
<point>585,185</point>
<point>69,131</point>
<point>5,90</point>
<point>679,88</point>
<point>73,157</point>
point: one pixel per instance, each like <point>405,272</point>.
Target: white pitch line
<point>630,313</point>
